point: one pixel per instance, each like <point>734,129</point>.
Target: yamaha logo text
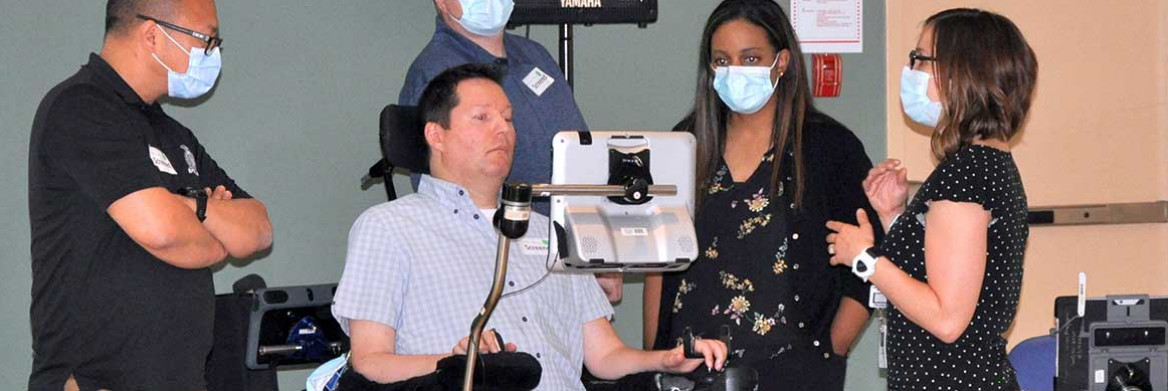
<point>581,4</point>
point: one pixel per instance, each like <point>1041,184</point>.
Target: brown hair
<point>986,72</point>
<point>708,119</point>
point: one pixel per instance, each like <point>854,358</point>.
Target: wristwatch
<point>200,201</point>
<point>201,206</point>
<point>864,265</point>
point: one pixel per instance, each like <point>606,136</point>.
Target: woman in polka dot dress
<point>951,263</point>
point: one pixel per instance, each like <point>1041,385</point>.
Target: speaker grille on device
<point>685,244</point>
<point>589,245</point>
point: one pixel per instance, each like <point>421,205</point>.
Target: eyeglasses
<point>210,43</point>
<point>913,57</point>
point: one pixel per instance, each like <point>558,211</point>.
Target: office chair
<point>401,139</point>
<point>1033,360</point>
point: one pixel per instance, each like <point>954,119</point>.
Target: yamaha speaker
<point>556,12</point>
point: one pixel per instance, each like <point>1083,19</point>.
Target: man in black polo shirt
<point>128,210</point>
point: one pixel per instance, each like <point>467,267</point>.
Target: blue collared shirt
<point>537,117</point>
<point>423,264</point>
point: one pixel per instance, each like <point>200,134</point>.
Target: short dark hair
<point>120,14</point>
<point>441,94</point>
<point>986,71</point>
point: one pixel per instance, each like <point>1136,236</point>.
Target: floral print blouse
<point>763,268</point>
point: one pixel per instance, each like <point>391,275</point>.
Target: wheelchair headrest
<point>403,142</point>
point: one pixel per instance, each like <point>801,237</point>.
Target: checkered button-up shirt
<point>423,264</point>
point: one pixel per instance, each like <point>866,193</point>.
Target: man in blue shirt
<point>471,31</point>
<point>542,98</point>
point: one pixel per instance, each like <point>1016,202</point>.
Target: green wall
<point>294,120</point>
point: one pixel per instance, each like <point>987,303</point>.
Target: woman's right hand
<point>887,189</point>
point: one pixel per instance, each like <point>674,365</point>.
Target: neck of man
<point>484,190</point>
<point>492,44</point>
<point>133,68</point>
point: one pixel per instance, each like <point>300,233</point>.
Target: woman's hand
<point>849,240</point>
<point>887,189</point>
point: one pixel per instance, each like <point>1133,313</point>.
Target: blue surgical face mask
<point>485,17</point>
<point>914,96</point>
<point>202,71</point>
<point>745,89</point>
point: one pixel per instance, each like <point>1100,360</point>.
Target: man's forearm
<point>625,361</point>
<point>388,368</point>
<point>195,250</point>
<point>161,222</point>
<point>241,225</point>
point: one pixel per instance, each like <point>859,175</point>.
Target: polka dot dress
<point>977,360</point>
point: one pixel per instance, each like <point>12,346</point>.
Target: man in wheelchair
<point>417,268</point>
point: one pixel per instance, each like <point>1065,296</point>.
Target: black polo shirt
<point>105,310</point>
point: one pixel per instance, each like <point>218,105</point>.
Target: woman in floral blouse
<point>772,171</point>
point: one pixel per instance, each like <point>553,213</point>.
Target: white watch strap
<point>869,263</point>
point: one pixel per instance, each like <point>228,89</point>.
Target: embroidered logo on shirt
<point>192,166</point>
<point>538,81</point>
<point>159,159</point>
<point>534,247</point>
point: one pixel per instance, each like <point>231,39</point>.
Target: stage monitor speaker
<point>556,12</point>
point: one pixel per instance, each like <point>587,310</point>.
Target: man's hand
<point>488,343</point>
<point>220,193</point>
<point>241,225</point>
<point>713,355</point>
<point>612,284</point>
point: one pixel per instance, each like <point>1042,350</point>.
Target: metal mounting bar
<point>1088,214</point>
<point>1125,213</point>
<point>597,190</point>
<point>287,350</point>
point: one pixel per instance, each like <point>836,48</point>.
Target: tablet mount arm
<point>512,218</point>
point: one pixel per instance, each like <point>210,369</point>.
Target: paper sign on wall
<point>829,26</point>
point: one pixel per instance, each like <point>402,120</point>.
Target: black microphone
<point>512,218</point>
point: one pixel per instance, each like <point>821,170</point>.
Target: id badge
<point>876,299</point>
<point>538,81</point>
<point>882,352</point>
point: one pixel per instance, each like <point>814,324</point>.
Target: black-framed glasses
<point>914,57</point>
<point>210,43</point>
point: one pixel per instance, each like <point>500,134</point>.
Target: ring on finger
<point>831,248</point>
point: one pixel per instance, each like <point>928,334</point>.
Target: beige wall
<point>1097,133</point>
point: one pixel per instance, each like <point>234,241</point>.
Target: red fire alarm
<point>827,74</point>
